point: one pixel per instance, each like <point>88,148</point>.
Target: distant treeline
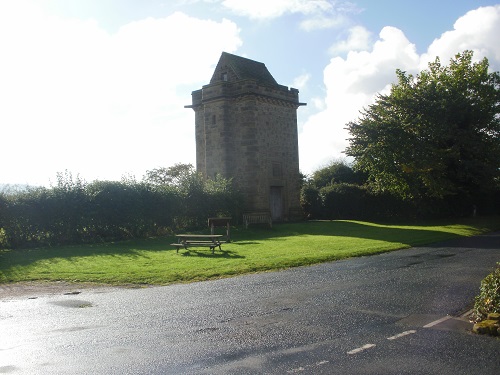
<point>73,211</point>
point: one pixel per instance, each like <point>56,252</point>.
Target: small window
<point>214,120</point>
<point>224,76</point>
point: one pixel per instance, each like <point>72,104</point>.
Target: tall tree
<point>175,175</point>
<point>336,172</point>
<point>435,135</point>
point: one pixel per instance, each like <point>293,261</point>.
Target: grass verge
<point>154,261</point>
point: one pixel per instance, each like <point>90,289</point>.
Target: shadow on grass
<point>417,235</point>
<point>340,228</point>
<point>132,249</point>
<point>208,254</point>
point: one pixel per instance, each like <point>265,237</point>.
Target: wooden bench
<point>198,240</point>
<point>257,218</point>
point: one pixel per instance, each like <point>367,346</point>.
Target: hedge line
<point>75,212</point>
<point>352,201</point>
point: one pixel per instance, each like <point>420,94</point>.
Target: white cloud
<point>301,81</point>
<point>76,97</point>
<point>318,103</point>
<point>353,82</point>
<point>359,39</point>
<point>477,30</point>
<point>265,9</point>
<point>319,14</point>
<point>323,22</point>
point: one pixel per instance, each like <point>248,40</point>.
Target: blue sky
<point>98,87</point>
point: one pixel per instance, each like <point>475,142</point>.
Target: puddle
<point>71,293</point>
<point>7,369</point>
<point>75,329</point>
<point>74,303</point>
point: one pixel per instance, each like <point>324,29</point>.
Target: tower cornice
<point>237,90</point>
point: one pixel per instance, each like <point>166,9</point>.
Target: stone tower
<point>246,129</point>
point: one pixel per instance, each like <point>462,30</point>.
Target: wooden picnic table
<point>196,240</point>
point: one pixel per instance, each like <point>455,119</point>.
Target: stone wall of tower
<point>199,130</point>
<point>248,132</point>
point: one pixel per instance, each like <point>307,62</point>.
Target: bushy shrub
<point>77,212</point>
<point>488,300</point>
<point>339,192</point>
<point>343,201</point>
<point>350,201</point>
<point>337,172</point>
<point>310,201</point>
<point>387,206</point>
<point>118,210</point>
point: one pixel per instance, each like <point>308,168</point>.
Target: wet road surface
<point>394,313</point>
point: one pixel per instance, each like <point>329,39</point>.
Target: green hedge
<point>351,201</point>
<point>76,212</point>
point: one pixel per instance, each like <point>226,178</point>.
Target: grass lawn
<point>154,261</point>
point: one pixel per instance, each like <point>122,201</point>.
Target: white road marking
<point>402,334</point>
<point>369,346</point>
<point>443,319</point>
<point>300,369</point>
<point>358,350</point>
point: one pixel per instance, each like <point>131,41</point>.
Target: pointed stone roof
<point>239,68</point>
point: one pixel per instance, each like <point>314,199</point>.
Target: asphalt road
<point>395,313</point>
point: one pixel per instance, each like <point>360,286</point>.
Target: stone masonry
<point>246,129</point>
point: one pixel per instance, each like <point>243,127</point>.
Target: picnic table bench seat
<point>189,240</point>
<point>210,244</point>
